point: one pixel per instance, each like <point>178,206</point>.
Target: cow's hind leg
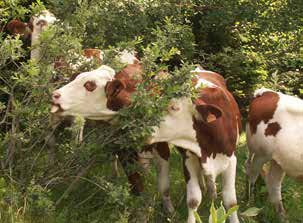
<point>161,154</point>
<point>273,181</point>
<point>192,172</point>
<point>229,190</point>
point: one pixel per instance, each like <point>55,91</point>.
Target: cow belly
<point>192,146</point>
<point>286,147</point>
<point>216,165</point>
<point>289,153</point>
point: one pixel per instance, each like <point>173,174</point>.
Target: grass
<point>88,204</point>
<point>292,193</point>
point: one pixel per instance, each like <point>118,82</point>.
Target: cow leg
<point>254,166</point>
<point>228,187</point>
<point>127,161</point>
<point>273,180</point>
<point>211,186</point>
<point>115,169</point>
<point>192,171</point>
<point>161,155</point>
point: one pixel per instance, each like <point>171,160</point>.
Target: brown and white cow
<point>274,134</point>
<point>78,99</point>
<point>32,29</point>
<point>206,130</point>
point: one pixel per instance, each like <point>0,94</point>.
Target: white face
<point>85,96</point>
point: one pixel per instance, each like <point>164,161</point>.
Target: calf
<point>207,128</point>
<point>274,134</point>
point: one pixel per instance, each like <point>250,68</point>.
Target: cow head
<point>36,23</point>
<point>85,96</point>
<point>40,22</point>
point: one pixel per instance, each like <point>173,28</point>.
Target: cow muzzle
<point>56,107</point>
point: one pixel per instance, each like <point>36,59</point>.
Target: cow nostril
<point>56,95</point>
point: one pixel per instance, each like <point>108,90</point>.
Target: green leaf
<point>213,213</point>
<point>251,212</point>
<point>221,214</point>
<point>197,217</point>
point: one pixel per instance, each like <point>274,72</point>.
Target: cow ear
<point>208,112</point>
<point>114,87</point>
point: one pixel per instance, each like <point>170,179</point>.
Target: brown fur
<point>262,108</point>
<point>219,135</point>
<point>185,170</point>
<point>163,150</point>
<point>272,129</point>
<point>15,27</point>
<point>93,53</point>
<point>136,183</point>
<point>119,90</point>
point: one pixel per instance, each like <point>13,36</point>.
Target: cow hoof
<point>169,208</point>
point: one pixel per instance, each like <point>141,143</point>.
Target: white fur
<point>200,69</point>
<point>261,91</point>
<point>127,57</point>
<point>76,100</point>
<point>49,18</point>
<point>176,127</point>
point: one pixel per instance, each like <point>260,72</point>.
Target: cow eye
<point>90,85</point>
<point>174,108</point>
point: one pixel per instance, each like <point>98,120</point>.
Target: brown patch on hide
<point>262,108</point>
<point>15,27</point>
<point>193,203</point>
<point>218,80</point>
<point>119,90</point>
<point>272,129</point>
<point>163,150</point>
<point>185,170</point>
<point>220,134</point>
<point>299,178</point>
<point>93,53</point>
<point>136,183</point>
<point>90,85</point>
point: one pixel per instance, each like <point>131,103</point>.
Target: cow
<point>91,87</point>
<point>273,135</point>
<point>207,133</point>
<point>32,30</point>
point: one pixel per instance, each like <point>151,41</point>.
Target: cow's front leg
<point>192,172</point>
<point>127,160</point>
<point>161,155</point>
